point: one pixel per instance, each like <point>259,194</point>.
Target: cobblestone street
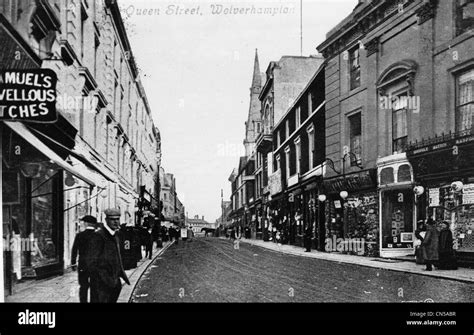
<point>212,270</point>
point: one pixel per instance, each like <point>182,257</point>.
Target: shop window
<point>404,173</point>
<point>465,101</point>
<point>399,130</point>
<point>354,64</point>
<point>355,130</point>
<point>397,219</point>
<point>386,176</point>
<point>464,16</point>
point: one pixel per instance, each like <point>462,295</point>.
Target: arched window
<point>396,94</point>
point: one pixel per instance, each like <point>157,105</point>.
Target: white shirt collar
<point>112,232</point>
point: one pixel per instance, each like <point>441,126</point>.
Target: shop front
<point>398,214</point>
<point>351,211</point>
<point>313,214</point>
<point>37,191</point>
<point>443,169</point>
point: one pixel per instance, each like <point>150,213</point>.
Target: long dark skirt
<point>447,260</point>
<point>419,256</point>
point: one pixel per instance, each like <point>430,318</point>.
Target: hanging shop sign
<point>28,95</point>
<point>274,182</point>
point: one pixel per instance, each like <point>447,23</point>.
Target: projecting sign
<point>28,95</point>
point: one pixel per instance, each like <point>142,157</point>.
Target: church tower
<point>253,126</point>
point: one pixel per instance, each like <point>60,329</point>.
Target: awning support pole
<point>2,288</point>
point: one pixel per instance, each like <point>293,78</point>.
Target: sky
<point>196,67</point>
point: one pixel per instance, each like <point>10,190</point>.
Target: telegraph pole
<point>301,27</point>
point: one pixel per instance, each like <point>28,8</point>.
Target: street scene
<point>294,151</point>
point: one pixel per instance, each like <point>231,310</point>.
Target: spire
<point>257,79</point>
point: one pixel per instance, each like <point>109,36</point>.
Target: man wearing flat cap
<point>107,267</point>
<point>82,247</point>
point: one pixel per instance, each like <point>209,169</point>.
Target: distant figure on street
<point>307,239</point>
<point>81,247</point>
<point>447,255</point>
<point>430,245</point>
<point>106,262</point>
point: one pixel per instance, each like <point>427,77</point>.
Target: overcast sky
<point>197,70</point>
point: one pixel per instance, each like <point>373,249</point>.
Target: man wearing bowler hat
<point>81,246</point>
<point>106,264</point>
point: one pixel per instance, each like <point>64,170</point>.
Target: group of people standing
<point>100,248</point>
<point>434,245</point>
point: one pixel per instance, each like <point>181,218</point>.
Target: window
<point>355,135</point>
<point>387,176</point>
<point>354,69</point>
<point>465,101</point>
<point>287,129</point>
<point>298,155</point>
<point>277,163</point>
<point>287,161</point>
<point>298,117</point>
<point>83,23</point>
<point>404,173</point>
<point>310,131</point>
<point>464,16</point>
<point>278,138</point>
<point>399,130</point>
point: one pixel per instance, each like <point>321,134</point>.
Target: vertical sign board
<point>28,95</point>
<point>433,197</point>
<point>468,194</point>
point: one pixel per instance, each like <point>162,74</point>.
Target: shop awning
<point>26,134</point>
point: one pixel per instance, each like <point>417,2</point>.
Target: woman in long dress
<point>447,256</point>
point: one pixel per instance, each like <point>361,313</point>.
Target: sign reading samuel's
<point>28,95</point>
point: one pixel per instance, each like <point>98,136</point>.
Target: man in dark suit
<point>81,245</point>
<point>106,261</point>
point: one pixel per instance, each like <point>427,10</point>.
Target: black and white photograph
<point>241,153</point>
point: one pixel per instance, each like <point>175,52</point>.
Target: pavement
<point>401,265</point>
<point>65,288</point>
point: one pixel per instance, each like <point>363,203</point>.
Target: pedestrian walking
<point>447,255</point>
<point>81,247</point>
<point>106,262</point>
<point>307,239</point>
<point>420,233</point>
<point>430,245</point>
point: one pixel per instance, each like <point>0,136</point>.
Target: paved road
<point>212,270</point>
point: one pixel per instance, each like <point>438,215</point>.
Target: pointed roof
<point>257,79</point>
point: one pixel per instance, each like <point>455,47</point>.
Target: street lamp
<point>344,195</point>
<point>322,197</point>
